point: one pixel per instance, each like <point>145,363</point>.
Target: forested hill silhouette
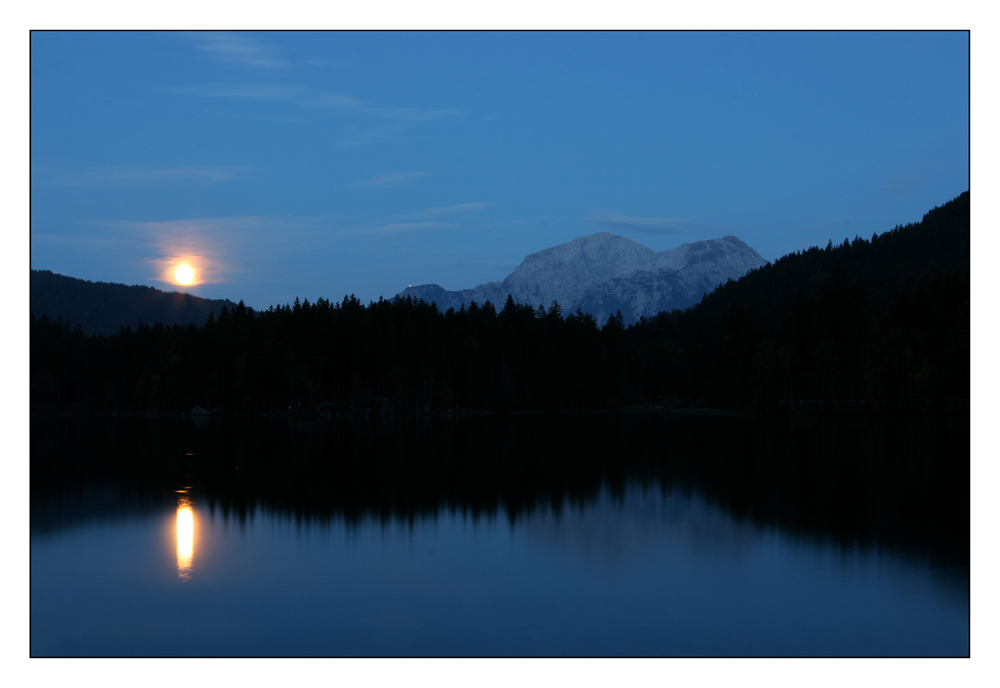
<point>874,323</point>
<point>863,320</point>
<point>106,307</point>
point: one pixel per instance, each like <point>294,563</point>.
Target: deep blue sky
<point>324,164</point>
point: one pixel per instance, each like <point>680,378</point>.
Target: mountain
<point>603,273</point>
<point>867,326</point>
<point>105,307</point>
<point>880,319</point>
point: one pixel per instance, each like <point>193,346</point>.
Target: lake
<point>647,534</point>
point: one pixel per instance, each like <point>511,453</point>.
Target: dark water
<point>607,535</point>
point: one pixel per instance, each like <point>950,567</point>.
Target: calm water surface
<point>511,536</point>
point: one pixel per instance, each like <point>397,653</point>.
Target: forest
<point>102,307</point>
<point>881,324</point>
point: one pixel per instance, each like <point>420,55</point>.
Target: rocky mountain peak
<point>604,272</point>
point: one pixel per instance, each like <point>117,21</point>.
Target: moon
<point>184,274</point>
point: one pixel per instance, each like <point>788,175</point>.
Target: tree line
<point>885,319</point>
<point>102,307</point>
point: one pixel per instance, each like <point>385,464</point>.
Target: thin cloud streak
<point>299,95</point>
<point>348,103</point>
<point>414,115</point>
<point>387,180</point>
<point>221,244</point>
<point>447,211</point>
<point>238,49</point>
<point>651,225</point>
<point>229,229</point>
<point>245,91</point>
<point>243,50</point>
<point>114,177</point>
<point>398,227</point>
<point>422,220</point>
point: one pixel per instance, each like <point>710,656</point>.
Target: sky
<point>321,164</point>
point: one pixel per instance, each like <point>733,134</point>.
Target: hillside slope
<point>106,307</point>
<point>867,319</point>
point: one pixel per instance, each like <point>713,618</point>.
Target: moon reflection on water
<point>185,538</point>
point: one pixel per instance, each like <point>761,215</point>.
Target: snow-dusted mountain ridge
<point>602,273</point>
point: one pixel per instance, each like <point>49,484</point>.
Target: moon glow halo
<point>185,266</point>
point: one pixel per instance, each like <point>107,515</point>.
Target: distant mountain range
<point>104,308</point>
<point>604,273</point>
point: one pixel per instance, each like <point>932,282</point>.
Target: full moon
<point>184,274</point>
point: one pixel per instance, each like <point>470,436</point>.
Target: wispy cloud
<point>422,220</point>
<point>246,50</point>
<point>413,114</point>
<point>395,179</point>
<point>348,103</point>
<point>447,211</point>
<point>239,49</point>
<point>226,230</point>
<point>398,227</point>
<point>336,102</point>
<point>224,248</point>
<point>246,91</point>
<point>651,225</point>
<point>124,176</point>
<point>366,123</point>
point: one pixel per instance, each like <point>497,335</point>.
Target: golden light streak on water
<point>185,538</point>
